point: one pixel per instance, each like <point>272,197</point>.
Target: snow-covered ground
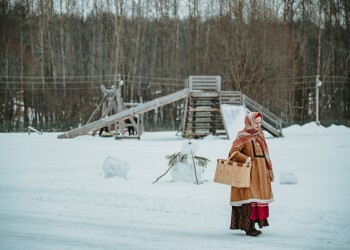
<point>53,194</point>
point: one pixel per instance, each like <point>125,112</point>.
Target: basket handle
<point>232,155</point>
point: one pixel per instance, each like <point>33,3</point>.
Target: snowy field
<point>53,194</point>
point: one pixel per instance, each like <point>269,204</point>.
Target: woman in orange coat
<point>250,205</point>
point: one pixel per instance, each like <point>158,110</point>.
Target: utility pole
<point>318,85</point>
<point>318,82</point>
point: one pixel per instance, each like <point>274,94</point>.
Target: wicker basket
<point>232,173</point>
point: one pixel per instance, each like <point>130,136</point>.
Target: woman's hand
<point>272,176</point>
<point>249,159</point>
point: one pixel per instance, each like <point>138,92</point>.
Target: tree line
<point>55,55</point>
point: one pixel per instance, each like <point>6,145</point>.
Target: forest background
<point>55,55</point>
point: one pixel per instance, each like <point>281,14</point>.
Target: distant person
<point>131,128</point>
<point>250,205</point>
<point>105,129</point>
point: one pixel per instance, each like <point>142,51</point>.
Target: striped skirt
<point>244,217</point>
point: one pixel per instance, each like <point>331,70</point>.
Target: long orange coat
<point>260,184</point>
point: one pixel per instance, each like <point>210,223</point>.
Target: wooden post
<point>30,128</point>
<point>194,166</point>
<point>318,65</point>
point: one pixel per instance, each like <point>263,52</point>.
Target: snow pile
<point>309,129</point>
<point>288,178</point>
<point>185,171</point>
<point>112,166</point>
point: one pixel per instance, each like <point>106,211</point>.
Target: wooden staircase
<point>203,113</point>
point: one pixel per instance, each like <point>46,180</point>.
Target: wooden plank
<point>204,104</point>
<point>199,94</point>
<point>205,82</point>
<point>237,93</point>
<point>184,122</point>
<point>140,109</point>
<point>207,117</point>
<point>205,100</point>
<point>203,110</point>
<point>206,127</point>
<point>194,124</point>
<point>198,134</point>
<point>30,128</point>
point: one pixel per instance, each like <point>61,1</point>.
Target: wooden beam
<point>97,108</point>
<point>203,110</point>
<point>140,109</point>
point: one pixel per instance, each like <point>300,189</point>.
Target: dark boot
<point>258,231</point>
<point>252,232</point>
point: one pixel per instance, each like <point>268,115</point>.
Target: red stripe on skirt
<point>260,211</point>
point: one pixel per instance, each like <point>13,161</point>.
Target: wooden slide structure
<point>139,109</point>
<point>202,113</point>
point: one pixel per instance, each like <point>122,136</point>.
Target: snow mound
<point>313,129</point>
<point>287,178</point>
<point>307,129</point>
<point>339,128</point>
<point>115,167</point>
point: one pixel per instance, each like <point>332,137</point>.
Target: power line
<point>290,78</point>
<point>125,77</point>
<point>67,88</point>
<point>88,82</point>
<point>133,81</point>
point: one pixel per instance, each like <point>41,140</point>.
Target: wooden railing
<point>204,83</point>
<point>231,97</point>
